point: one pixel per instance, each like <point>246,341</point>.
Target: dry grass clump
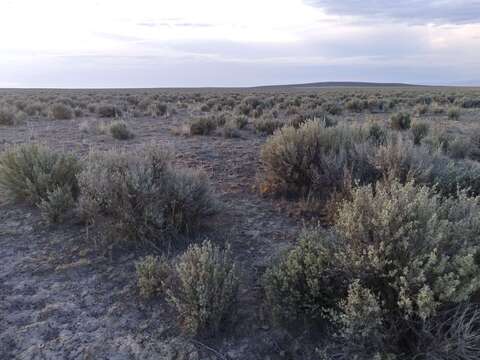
<point>40,176</point>
<point>119,130</point>
<point>60,111</point>
<point>398,257</point>
<point>142,197</point>
<point>454,113</point>
<point>204,289</point>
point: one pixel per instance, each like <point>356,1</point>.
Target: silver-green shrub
<point>205,290</point>
<point>60,111</point>
<point>55,208</point>
<point>33,172</point>
<point>142,196</point>
<point>153,273</point>
<point>397,257</point>
<point>315,159</point>
<point>120,130</point>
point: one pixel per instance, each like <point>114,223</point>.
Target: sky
<point>190,43</point>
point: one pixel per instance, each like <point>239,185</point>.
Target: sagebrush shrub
<point>332,108</point>
<point>7,117</point>
<point>475,143</point>
<point>399,159</point>
<point>437,109</point>
<point>61,111</point>
<point>78,112</point>
<point>267,125</point>
<point>202,126</point>
<point>205,290</point>
<point>361,325</point>
<point>143,197</point>
<point>419,131</point>
<point>153,273</point>
<point>33,173</point>
<point>355,105</point>
<point>34,109</point>
<point>416,232</point>
<point>400,121</point>
<point>120,130</point>
<point>230,130</point>
<point>314,159</point>
<point>399,255</point>
<point>55,208</point>
<point>108,111</point>
<point>421,109</point>
<point>298,286</point>
<point>158,109</point>
<point>240,121</point>
<point>377,133</point>
<point>459,148</point>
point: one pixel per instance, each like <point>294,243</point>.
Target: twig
<point>212,350</point>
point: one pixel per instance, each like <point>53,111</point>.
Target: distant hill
<point>339,84</point>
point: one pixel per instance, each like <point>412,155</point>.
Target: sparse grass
<point>454,113</point>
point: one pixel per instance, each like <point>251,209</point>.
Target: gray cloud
<point>408,11</point>
<point>199,67</point>
<point>174,24</point>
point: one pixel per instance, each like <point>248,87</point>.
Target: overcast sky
<point>176,43</point>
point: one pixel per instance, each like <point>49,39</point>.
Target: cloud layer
<point>408,11</point>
